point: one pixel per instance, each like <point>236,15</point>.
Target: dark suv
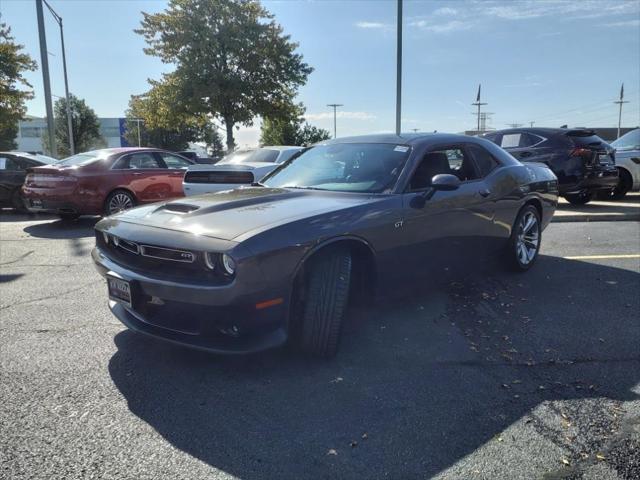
<point>582,161</point>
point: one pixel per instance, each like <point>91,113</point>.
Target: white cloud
<point>372,25</point>
<point>339,114</point>
<point>445,11</point>
<point>452,26</point>
<point>626,23</point>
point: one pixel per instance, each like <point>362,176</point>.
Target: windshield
<point>346,167</point>
<point>256,155</point>
<point>629,141</point>
<point>84,158</point>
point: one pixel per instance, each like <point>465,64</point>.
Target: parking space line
<point>602,257</point>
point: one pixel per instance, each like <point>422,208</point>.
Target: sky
<point>550,62</point>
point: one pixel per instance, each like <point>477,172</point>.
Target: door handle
<point>137,173</point>
<point>485,192</point>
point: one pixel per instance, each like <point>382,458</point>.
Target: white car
<point>242,167</point>
<point>628,163</point>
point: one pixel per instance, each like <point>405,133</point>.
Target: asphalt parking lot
<point>481,375</point>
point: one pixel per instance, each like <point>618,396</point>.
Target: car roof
<point>402,139</point>
<point>540,130</point>
<point>278,147</point>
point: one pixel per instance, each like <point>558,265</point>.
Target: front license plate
<point>36,203</point>
<point>119,290</point>
<point>604,159</point>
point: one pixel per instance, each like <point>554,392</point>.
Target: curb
<point>595,217</point>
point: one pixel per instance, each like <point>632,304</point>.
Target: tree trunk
<point>228,123</point>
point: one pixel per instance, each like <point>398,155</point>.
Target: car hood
<point>231,213</point>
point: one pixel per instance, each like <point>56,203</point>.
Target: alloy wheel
<point>120,202</point>
<point>528,238</point>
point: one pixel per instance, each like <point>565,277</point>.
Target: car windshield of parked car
<point>82,159</point>
<point>246,156</point>
<point>629,141</point>
<point>346,167</point>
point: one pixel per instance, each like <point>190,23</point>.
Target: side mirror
<point>445,182</point>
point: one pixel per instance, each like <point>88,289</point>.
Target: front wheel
<point>324,302</point>
<point>118,201</point>
<point>581,198</point>
<point>524,243</point>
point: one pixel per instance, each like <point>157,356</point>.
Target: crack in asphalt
<point>18,259</point>
<point>4,307</point>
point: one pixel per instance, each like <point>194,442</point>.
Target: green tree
<point>165,121</point>
<point>14,88</point>
<point>232,59</point>
<point>289,128</point>
<point>85,125</point>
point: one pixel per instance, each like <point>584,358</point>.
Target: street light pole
<point>399,70</point>
<point>58,19</point>
<point>335,106</point>
<point>620,102</point>
<point>44,60</point>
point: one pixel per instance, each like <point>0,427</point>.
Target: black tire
<point>517,259</point>
<point>69,216</point>
<point>324,302</point>
<point>17,202</point>
<point>579,198</point>
<point>118,201</point>
<point>625,182</point>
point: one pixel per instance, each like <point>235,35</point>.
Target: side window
<point>485,163</point>
<point>3,163</point>
<point>11,164</point>
<point>137,161</point>
<point>174,161</point>
<point>510,140</point>
<point>493,137</point>
<point>528,140</point>
<point>453,161</point>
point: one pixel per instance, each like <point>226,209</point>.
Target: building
<point>32,130</point>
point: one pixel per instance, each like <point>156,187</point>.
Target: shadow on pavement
<point>417,385</point>
<point>63,229</point>
<point>11,215</point>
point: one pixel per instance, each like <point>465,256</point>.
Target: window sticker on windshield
<point>401,148</point>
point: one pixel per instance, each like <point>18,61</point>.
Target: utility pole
<point>44,60</point>
<point>531,124</point>
<point>399,71</point>
<point>478,104</point>
<point>620,102</point>
<point>415,130</point>
<point>138,120</point>
<point>58,19</point>
<point>335,106</point>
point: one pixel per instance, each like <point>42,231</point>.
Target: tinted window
<point>453,161</point>
<point>346,167</point>
<point>173,161</point>
<point>528,140</point>
<point>494,137</point>
<point>484,161</point>
<point>137,161</point>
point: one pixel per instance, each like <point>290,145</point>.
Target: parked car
<point>242,167</point>
<point>582,161</point>
<point>628,165</point>
<point>13,170</point>
<point>103,182</point>
<point>250,268</point>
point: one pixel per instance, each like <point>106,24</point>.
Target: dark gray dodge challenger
<point>248,269</point>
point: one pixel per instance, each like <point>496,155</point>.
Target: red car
<point>103,182</point>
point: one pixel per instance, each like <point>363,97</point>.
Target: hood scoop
<point>177,208</point>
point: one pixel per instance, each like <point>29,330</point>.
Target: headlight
<point>229,264</point>
<point>116,240</point>
<point>210,260</point>
<point>105,235</point>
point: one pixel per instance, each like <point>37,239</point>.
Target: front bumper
<point>602,178</point>
<point>217,318</point>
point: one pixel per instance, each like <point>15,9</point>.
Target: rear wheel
<point>324,302</point>
<point>581,198</point>
<point>524,243</point>
<point>118,201</point>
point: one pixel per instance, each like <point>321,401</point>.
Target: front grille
<point>219,177</point>
<point>172,264</point>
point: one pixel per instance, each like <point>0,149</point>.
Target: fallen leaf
<point>565,461</point>
<point>353,444</point>
<point>504,385</point>
<point>337,380</point>
<point>332,451</point>
<point>600,456</point>
<point>365,436</point>
<point>516,382</point>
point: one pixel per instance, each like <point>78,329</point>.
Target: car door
<point>451,227</point>
<point>523,145</point>
<point>176,167</point>
<point>145,175</point>
<point>12,174</point>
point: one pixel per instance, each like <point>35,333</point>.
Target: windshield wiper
<point>258,184</point>
<point>305,187</point>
